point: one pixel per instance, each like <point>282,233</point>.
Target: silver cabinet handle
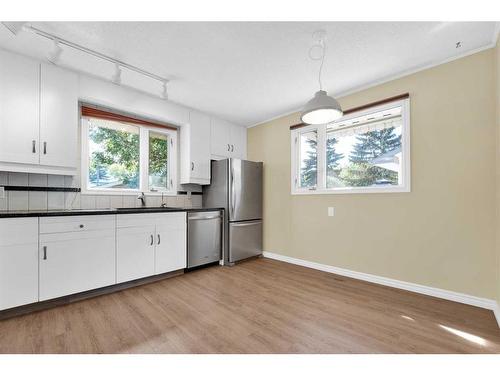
<point>33,147</point>
<point>228,147</point>
<point>192,165</point>
<point>152,240</point>
<point>44,148</point>
<point>45,253</point>
<point>159,239</point>
<point>232,148</point>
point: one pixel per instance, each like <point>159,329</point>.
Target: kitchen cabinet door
<point>19,109</point>
<point>58,117</point>
<point>74,262</point>
<point>200,146</point>
<point>135,252</point>
<point>171,249</point>
<point>238,142</point>
<point>196,150</point>
<point>220,138</point>
<point>18,262</point>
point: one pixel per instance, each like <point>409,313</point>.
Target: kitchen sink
<point>145,208</point>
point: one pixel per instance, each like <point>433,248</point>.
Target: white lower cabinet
<point>49,257</point>
<point>135,252</point>
<point>75,256</point>
<point>171,242</point>
<point>18,262</point>
<point>149,244</point>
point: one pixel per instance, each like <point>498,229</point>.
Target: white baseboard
<point>417,288</point>
<point>496,311</point>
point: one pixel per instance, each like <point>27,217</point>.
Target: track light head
<point>55,54</point>
<point>164,94</point>
<point>14,27</point>
<point>116,78</point>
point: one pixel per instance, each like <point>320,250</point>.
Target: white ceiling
<point>249,72</point>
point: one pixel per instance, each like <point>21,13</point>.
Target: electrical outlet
<point>331,211</point>
<point>2,192</point>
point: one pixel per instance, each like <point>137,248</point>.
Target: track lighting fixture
<point>14,27</point>
<point>164,94</point>
<point>117,76</point>
<point>55,54</point>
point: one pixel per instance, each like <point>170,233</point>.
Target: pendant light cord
<point>321,65</point>
<point>319,45</point>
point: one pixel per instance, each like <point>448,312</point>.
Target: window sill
<point>396,189</point>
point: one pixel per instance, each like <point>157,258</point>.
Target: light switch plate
<point>331,211</point>
<point>2,192</point>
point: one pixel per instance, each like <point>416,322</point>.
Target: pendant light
<point>321,109</point>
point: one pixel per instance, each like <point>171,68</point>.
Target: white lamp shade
<point>321,109</point>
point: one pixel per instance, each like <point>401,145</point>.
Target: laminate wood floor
<point>260,306</point>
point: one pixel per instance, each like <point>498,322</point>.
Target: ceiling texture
<point>250,72</point>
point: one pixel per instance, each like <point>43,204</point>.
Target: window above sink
<point>123,155</point>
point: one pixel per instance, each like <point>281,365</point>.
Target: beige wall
<point>442,234</point>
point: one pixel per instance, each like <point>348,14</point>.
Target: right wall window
<point>363,152</point>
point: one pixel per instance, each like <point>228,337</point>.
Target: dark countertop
<point>100,211</point>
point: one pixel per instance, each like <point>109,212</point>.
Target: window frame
<point>143,162</point>
<point>321,188</point>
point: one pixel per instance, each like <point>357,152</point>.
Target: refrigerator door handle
<point>246,223</point>
<point>231,188</point>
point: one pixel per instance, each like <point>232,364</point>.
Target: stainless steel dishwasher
<point>204,237</point>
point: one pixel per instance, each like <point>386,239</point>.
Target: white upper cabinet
<point>195,148</point>
<point>38,116</point>
<point>58,117</point>
<point>19,111</point>
<point>238,142</point>
<point>228,140</point>
<point>221,138</point>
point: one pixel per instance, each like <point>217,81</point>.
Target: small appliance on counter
<point>236,185</point>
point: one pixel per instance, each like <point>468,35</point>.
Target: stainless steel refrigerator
<point>236,186</point>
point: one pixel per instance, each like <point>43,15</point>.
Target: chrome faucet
<point>142,198</point>
<point>163,204</point>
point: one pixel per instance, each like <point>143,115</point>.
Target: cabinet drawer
<point>18,231</point>
<point>62,224</point>
<point>172,220</point>
<point>136,220</point>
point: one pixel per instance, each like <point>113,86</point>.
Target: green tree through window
<point>117,159</point>
<point>358,171</point>
<point>370,145</point>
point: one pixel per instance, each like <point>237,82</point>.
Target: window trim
<point>143,162</point>
<point>321,157</point>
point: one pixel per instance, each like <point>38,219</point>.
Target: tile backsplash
<point>42,200</point>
